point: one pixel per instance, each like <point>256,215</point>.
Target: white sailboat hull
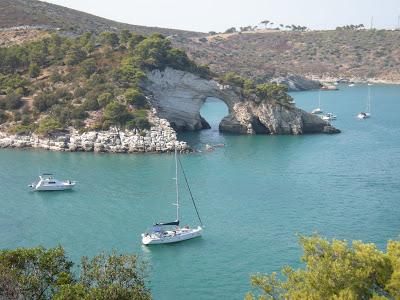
<point>171,236</point>
<point>317,111</point>
<point>363,115</point>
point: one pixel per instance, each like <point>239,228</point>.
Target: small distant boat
<point>292,102</point>
<point>48,183</point>
<point>329,87</point>
<point>351,84</point>
<point>363,115</point>
<point>369,83</point>
<point>318,110</point>
<point>170,232</point>
<point>328,117</point>
<point>367,113</point>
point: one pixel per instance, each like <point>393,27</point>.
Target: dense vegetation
<point>335,270</point>
<point>40,274</point>
<point>89,82</point>
<point>264,91</point>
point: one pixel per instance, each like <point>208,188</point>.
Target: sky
<point>218,15</point>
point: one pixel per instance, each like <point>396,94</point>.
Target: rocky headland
<point>176,98</point>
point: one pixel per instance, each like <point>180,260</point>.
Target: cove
<point>255,195</point>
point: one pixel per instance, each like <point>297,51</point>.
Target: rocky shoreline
<point>160,138</point>
<point>357,80</point>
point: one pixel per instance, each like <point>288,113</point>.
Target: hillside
<point>15,13</point>
<point>262,55</point>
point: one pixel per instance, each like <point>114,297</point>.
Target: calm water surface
<point>255,196</point>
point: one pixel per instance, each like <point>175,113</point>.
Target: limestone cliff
<point>178,96</point>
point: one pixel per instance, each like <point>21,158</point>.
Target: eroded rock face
<point>272,118</point>
<point>178,97</point>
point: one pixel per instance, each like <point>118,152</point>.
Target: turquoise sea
<point>255,195</point>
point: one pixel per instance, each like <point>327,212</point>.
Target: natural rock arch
<point>178,96</point>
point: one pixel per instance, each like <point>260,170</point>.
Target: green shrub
<point>16,116</point>
<point>75,55</point>
<point>273,91</point>
<point>55,77</point>
<point>21,129</point>
<point>61,113</point>
<point>48,125</point>
<point>134,40</point>
<point>135,97</point>
<point>91,102</point>
<point>63,94</point>
<point>116,113</point>
<point>3,116</point>
<point>44,100</point>
<point>13,101</point>
<point>87,67</point>
<point>79,113</point>
<point>34,70</point>
<point>104,99</point>
<point>9,83</point>
<point>142,123</point>
<point>79,92</point>
<point>109,38</point>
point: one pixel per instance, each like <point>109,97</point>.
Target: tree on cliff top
<point>335,270</point>
<point>39,274</point>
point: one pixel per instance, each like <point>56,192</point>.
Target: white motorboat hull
<point>152,239</point>
<point>63,187</point>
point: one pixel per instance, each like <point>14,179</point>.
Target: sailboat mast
<point>176,186</point>
<point>319,98</point>
<point>369,100</point>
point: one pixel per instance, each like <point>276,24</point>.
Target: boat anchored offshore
<point>48,183</point>
<point>170,232</point>
<point>318,110</point>
<point>367,113</point>
<point>328,117</point>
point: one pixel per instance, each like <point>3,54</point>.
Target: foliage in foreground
<point>39,274</point>
<point>335,270</point>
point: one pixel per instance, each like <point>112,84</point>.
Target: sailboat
<point>367,113</point>
<point>318,110</point>
<point>170,232</point>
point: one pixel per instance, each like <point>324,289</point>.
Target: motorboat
<point>48,183</point>
<point>171,232</point>
<point>351,84</point>
<point>328,117</point>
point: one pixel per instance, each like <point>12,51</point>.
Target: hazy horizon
<point>209,15</point>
